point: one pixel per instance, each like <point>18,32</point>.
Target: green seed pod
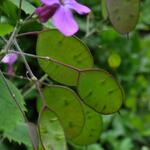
<point>123,14</point>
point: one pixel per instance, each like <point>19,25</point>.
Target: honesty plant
<point>72,110</point>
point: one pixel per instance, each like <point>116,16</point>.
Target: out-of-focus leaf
<point>27,7</point>
<point>123,14</point>
<point>5,29</point>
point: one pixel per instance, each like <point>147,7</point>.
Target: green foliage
<point>27,7</point>
<point>63,101</point>
<point>5,29</point>
<point>125,58</point>
<point>51,131</point>
<point>123,14</point>
<point>10,114</point>
<point>66,51</point>
<point>92,128</point>
<point>100,91</point>
<point>9,12</point>
<point>19,134</point>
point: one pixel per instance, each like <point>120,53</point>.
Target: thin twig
<point>25,78</point>
<point>34,87</point>
<point>11,39</point>
<point>32,76</point>
<point>46,59</point>
<point>28,33</point>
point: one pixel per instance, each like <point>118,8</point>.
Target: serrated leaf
<point>123,14</point>
<point>19,134</point>
<point>100,91</point>
<point>92,128</point>
<point>66,104</point>
<point>70,51</point>
<point>10,113</point>
<point>5,29</point>
<point>51,131</point>
<point>27,7</point>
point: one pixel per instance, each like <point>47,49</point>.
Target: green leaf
<point>100,91</point>
<point>66,104</point>
<point>51,131</point>
<point>5,29</point>
<point>123,14</point>
<point>92,128</point>
<point>19,134</point>
<point>69,53</point>
<point>3,146</point>
<point>10,113</point>
<point>27,7</point>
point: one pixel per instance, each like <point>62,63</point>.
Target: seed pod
<point>123,14</point>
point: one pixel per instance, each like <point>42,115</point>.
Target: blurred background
<point>127,57</point>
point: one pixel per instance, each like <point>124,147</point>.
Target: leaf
<point>100,91</point>
<point>5,29</point>
<point>3,146</point>
<point>69,53</point>
<point>92,128</point>
<point>51,131</point>
<point>27,7</point>
<point>10,11</point>
<point>10,113</point>
<point>123,14</point>
<point>66,104</point>
<point>19,134</point>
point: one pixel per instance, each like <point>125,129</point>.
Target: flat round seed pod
<point>123,14</point>
<point>92,128</point>
<point>67,106</point>
<point>68,55</point>
<point>100,91</point>
<point>51,132</point>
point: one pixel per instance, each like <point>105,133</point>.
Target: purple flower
<point>61,13</point>
<point>9,59</point>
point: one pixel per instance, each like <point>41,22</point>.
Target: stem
<point>25,78</point>
<point>46,59</point>
<point>33,87</point>
<point>31,74</point>
<point>28,33</point>
<point>11,39</point>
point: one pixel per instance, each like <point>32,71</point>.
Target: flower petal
<point>79,8</point>
<point>46,12</point>
<point>50,2</point>
<point>64,21</point>
<point>9,58</point>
